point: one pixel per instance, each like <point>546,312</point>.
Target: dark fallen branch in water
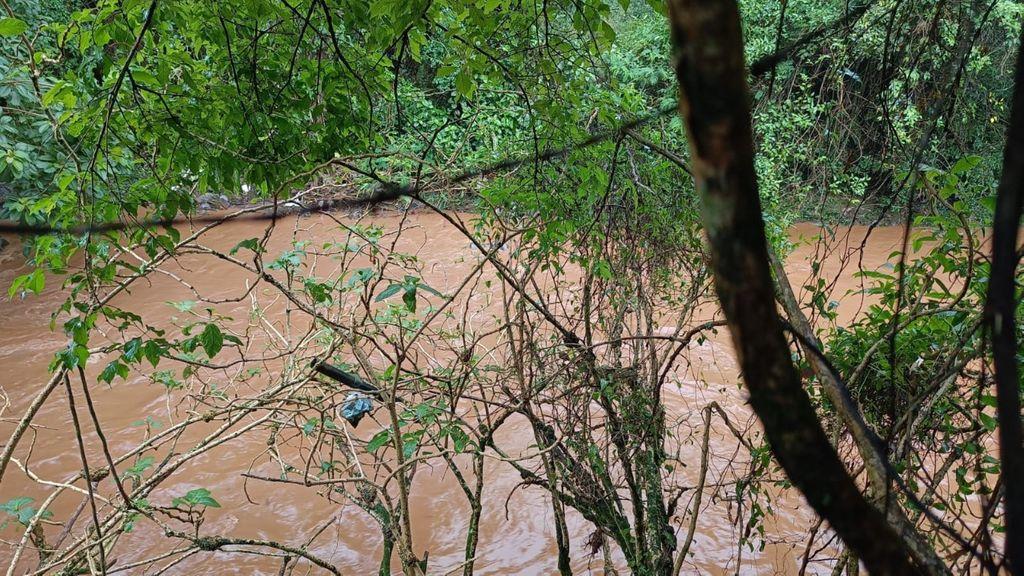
<point>346,378</point>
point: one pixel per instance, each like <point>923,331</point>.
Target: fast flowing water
<point>516,535</point>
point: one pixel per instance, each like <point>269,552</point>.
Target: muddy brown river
<point>516,535</point>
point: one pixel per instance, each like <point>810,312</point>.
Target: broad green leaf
<point>211,339</point>
<point>12,27</point>
<point>464,83</point>
<point>113,370</point>
<point>197,497</point>
<point>388,292</point>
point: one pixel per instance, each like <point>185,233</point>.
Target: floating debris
<point>356,406</point>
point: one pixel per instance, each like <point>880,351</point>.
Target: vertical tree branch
<point>714,102</point>
<point>1000,312</point>
<point>87,476</point>
<point>691,530</point>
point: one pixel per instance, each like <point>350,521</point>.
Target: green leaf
<point>966,164</point>
<point>212,340</point>
<point>318,291</point>
<point>139,467</point>
<point>145,77</point>
<point>14,504</point>
<point>388,292</point>
<point>409,297</point>
<point>409,447</point>
<point>197,497</point>
<point>26,514</point>
<point>379,440</point>
<point>12,27</point>
<point>113,370</point>
<point>603,270</point>
<point>183,306</point>
<point>464,83</point>
<point>361,276</point>
<point>65,181</point>
<point>131,350</point>
<point>426,288</point>
<point>152,350</point>
<point>20,509</point>
<point>989,422</point>
<point>148,421</point>
<point>166,377</point>
<point>250,243</point>
<point>459,438</point>
<point>36,282</point>
<point>310,426</point>
<point>33,282</point>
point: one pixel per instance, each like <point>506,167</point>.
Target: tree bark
<point>1000,311</point>
<point>714,103</point>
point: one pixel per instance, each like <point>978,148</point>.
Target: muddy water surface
<point>516,531</point>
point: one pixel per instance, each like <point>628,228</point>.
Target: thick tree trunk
<point>1000,311</point>
<point>714,102</point>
